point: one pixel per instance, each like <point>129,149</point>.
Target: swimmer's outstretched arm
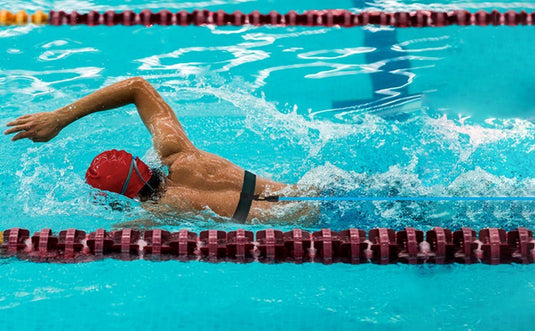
<point>168,135</point>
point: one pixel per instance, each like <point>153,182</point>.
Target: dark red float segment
<point>213,244</point>
<point>126,242</point>
<point>352,246</point>
<point>327,18</point>
<point>408,241</point>
<point>110,18</point>
<point>494,246</point>
<point>183,244</point>
<point>522,245</point>
<point>464,243</point>
<point>44,244</point>
<point>70,243</point>
<point>14,240</point>
<point>383,245</point>
<point>441,245</point>
<point>157,242</point>
<point>270,244</point>
<point>298,245</point>
<point>100,242</point>
<point>165,17</point>
<point>56,17</point>
<point>240,245</point>
<point>327,245</point>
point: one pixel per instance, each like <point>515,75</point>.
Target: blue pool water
<point>364,111</point>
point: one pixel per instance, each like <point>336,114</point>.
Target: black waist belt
<point>246,197</point>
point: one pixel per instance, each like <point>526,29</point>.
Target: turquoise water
<point>425,112</point>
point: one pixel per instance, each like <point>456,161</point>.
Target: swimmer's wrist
<point>63,117</point>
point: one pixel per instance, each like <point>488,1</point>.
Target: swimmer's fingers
<point>17,128</point>
<point>33,135</point>
<point>23,134</point>
<point>19,120</point>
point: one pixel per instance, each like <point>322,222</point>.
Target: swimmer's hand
<point>39,127</point>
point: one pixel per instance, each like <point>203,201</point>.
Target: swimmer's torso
<point>199,179</point>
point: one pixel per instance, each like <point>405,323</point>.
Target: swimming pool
<point>452,119</point>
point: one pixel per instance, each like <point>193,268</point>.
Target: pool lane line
<point>353,245</point>
<point>372,199</point>
<point>310,18</point>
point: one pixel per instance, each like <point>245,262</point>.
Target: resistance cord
<point>363,199</point>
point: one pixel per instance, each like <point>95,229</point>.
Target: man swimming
<point>196,179</point>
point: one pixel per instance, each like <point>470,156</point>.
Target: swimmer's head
<point>119,172</point>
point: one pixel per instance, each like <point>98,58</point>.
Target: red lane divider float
<point>381,246</point>
<point>327,18</point>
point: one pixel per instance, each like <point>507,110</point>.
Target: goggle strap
<point>139,174</point>
<point>127,181</point>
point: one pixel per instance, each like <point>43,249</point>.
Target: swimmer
<point>197,179</point>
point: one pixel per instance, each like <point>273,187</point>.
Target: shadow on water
<point>390,79</point>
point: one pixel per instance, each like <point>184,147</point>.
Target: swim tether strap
<point>246,198</point>
<point>327,18</point>
<point>380,245</point>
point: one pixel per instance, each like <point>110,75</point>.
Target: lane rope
<point>355,246</point>
<point>325,18</point>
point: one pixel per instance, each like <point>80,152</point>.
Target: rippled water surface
<point>365,111</point>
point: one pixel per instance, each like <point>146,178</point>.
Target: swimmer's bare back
<point>196,180</point>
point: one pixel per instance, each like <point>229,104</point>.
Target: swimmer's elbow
<point>138,81</point>
<point>141,87</point>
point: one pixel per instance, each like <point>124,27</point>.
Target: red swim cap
<point>109,171</point>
